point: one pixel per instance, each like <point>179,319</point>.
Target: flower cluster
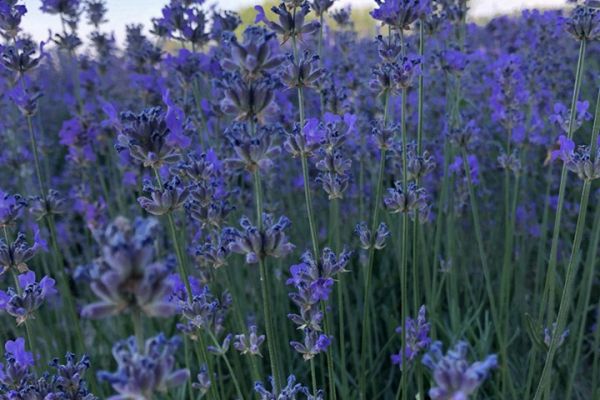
<point>23,301</point>
<point>142,372</point>
<point>455,378</point>
<point>313,280</point>
<point>258,243</point>
<point>127,276</point>
<point>416,338</point>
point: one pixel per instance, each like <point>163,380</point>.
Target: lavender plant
<point>300,192</point>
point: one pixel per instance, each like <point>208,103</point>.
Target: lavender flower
<point>23,301</point>
<point>416,337</point>
<point>127,276</point>
<point>247,100</point>
<point>584,23</point>
<point>18,361</point>
<point>313,344</point>
<point>453,376</point>
<point>15,255</point>
<point>10,18</point>
<point>143,372</point>
<point>203,381</point>
<point>562,116</point>
<point>164,200</point>
<point>204,311</point>
<point>53,203</point>
<point>290,24</point>
<point>146,138</point>
<point>399,14</point>
<point>549,334</point>
<point>254,56</point>
<point>253,151</point>
<point>249,343</point>
<point>413,202</point>
<point>579,160</point>
<point>364,236</point>
<point>289,392</point>
<point>257,244</point>
<point>320,7</point>
<point>313,281</point>
<point>11,207</point>
<point>303,72</point>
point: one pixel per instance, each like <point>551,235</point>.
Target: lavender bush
<point>290,208</point>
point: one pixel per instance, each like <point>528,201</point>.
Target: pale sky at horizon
<point>122,12</point>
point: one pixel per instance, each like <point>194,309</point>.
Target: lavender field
<point>298,209</point>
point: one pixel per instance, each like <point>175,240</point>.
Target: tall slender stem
<point>365,331</point>
<point>549,297</point>
<point>567,295</point>
<point>265,291</point>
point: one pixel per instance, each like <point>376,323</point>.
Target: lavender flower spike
<point>455,379</point>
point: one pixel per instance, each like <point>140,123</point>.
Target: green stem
<point>228,365</point>
<point>567,295</point>
<point>265,291</point>
<point>481,249</point>
<point>365,332</point>
<point>313,376</point>
<point>549,290</point>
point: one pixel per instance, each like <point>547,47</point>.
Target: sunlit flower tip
<point>256,245</point>
<point>169,198</point>
<point>249,343</point>
<point>454,377</point>
<point>141,373</point>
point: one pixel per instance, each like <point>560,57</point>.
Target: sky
<point>122,12</point>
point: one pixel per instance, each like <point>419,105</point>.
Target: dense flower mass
<point>299,201</point>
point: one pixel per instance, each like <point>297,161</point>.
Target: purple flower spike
<point>455,378</point>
